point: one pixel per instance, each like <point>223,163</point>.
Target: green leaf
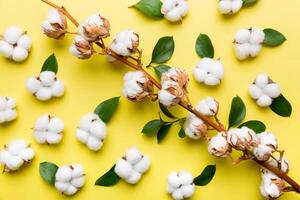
<point>281,106</point>
<point>206,176</point>
<point>106,109</point>
<point>110,178</point>
<point>50,64</point>
<point>249,2</point>
<point>181,133</point>
<point>163,131</point>
<point>160,69</point>
<point>255,125</point>
<point>48,171</point>
<point>273,37</point>
<point>166,111</point>
<point>163,50</point>
<point>152,127</point>
<point>204,47</point>
<point>237,112</point>
<point>150,8</point>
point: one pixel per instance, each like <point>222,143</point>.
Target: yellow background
<point>92,81</point>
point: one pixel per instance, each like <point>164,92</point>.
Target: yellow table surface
<point>92,81</point>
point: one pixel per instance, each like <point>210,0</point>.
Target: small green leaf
<point>181,133</point>
<point>204,47</point>
<point>206,176</point>
<point>50,64</point>
<point>160,69</point>
<point>48,171</point>
<point>255,125</point>
<point>273,37</point>
<point>163,50</point>
<point>150,8</point>
<point>163,131</point>
<point>249,2</point>
<point>237,112</point>
<point>166,111</point>
<point>152,127</point>
<point>110,178</point>
<point>106,109</point>
<point>281,106</point>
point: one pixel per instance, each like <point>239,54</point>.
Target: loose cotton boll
<point>264,90</point>
<point>6,49</point>
<point>180,185</point>
<point>230,6</point>
<point>15,154</point>
<point>69,179</point>
<point>174,10</point>
<point>132,166</point>
<point>209,71</point>
<point>8,111</point>
<point>12,34</point>
<point>48,130</point>
<point>91,131</point>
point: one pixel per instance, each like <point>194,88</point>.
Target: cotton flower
<point>15,154</point>
<point>271,186</point>
<point>180,185</point>
<point>15,44</point>
<point>230,6</point>
<point>208,107</point>
<point>174,10</point>
<point>7,109</point>
<point>209,71</point>
<point>218,146</point>
<point>81,48</point>
<point>194,127</point>
<point>124,44</point>
<point>55,25</point>
<point>248,42</point>
<point>132,166</point>
<point>264,90</point>
<point>69,179</point>
<point>137,86</point>
<point>45,86</point>
<point>94,28</point>
<point>242,138</point>
<point>48,129</point>
<point>267,144</point>
<point>91,131</point>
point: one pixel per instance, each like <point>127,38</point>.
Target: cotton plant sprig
<point>174,83</point>
<point>230,7</point>
<point>172,10</point>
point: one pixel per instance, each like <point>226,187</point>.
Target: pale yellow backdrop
<point>89,82</point>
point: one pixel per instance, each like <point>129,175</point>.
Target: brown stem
<point>183,104</point>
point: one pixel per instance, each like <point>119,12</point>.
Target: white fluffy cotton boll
<point>6,49</point>
<point>242,138</point>
<point>257,36</point>
<point>25,42</point>
<point>19,54</point>
<point>123,168</point>
<point>69,179</point>
<point>58,88</point>
<point>47,78</point>
<point>55,25</point>
<point>8,111</point>
<point>125,43</point>
<point>242,51</point>
<point>12,34</point>
<point>91,131</point>
<point>230,6</point>
<point>218,146</point>
<point>209,71</point>
<point>195,128</point>
<point>208,107</point>
<point>166,98</point>
<point>15,154</point>
<point>43,94</point>
<point>174,10</point>
<point>271,186</point>
<point>33,85</point>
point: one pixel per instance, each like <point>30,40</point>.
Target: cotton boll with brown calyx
<point>272,187</point>
<point>218,146</point>
<point>81,48</point>
<point>170,94</point>
<point>195,128</point>
<point>55,25</point>
<point>242,138</point>
<point>208,107</point>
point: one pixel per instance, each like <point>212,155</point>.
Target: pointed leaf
<point>160,69</point>
<point>150,8</point>
<point>163,50</point>
<point>166,111</point>
<point>204,47</point>
<point>206,176</point>
<point>273,37</point>
<point>162,133</point>
<point>48,171</point>
<point>181,133</point>
<point>281,106</point>
<point>249,2</point>
<point>237,112</point>
<point>106,109</point>
<point>50,64</point>
<point>152,127</point>
<point>110,178</point>
<point>255,125</point>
